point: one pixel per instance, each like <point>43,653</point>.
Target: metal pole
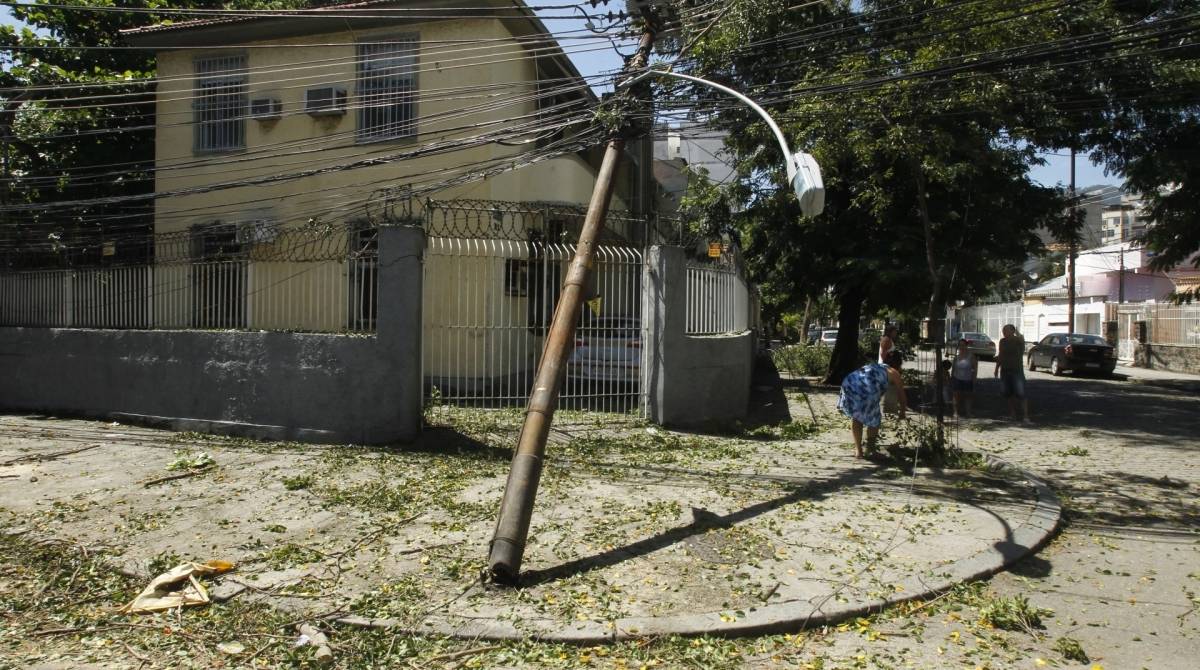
<point>1071,255</point>
<point>1121,276</point>
<point>516,507</point>
<point>941,397</point>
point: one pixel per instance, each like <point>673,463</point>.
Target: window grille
<point>387,89</point>
<point>221,100</point>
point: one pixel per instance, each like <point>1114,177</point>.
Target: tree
<point>77,122</point>
<point>927,194</point>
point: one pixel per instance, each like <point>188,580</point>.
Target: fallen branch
<point>417,550</point>
<point>170,478</point>
<point>36,458</point>
<point>454,656</point>
<point>63,631</point>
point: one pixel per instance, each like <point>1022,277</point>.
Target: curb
<point>794,616</point>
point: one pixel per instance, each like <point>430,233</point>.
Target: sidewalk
<point>637,530</point>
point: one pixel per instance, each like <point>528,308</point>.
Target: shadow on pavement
<point>702,522</point>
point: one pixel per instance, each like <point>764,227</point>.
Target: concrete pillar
<point>691,381</point>
<point>398,331</point>
<point>664,312</point>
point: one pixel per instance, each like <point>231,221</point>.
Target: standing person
<point>1010,355</point>
<point>887,343</point>
<point>966,368</point>
<point>861,392</point>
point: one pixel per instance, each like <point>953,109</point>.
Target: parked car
<point>607,349</point>
<point>828,337</point>
<point>1063,352</point>
<point>981,345</point>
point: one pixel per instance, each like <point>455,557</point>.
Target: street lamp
<point>803,173</point>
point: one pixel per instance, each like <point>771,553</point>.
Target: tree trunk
<point>846,357</point>
<point>937,304</point>
<point>804,321</point>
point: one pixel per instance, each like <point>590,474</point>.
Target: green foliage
<point>1071,650</point>
<point>297,482</point>
<point>191,460</point>
<point>802,360</point>
<point>1012,613</point>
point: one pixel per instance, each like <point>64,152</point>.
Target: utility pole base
<point>516,512</point>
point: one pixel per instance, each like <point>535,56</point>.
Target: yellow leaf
<point>1039,662</point>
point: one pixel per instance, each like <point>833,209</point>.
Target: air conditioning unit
<point>266,108</point>
<point>257,231</point>
<point>325,101</point>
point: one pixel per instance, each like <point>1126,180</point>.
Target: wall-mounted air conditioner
<point>325,101</point>
<point>265,109</point>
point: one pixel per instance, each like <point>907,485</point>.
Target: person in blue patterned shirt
<point>861,392</point>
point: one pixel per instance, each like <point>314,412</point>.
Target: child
<point>966,368</point>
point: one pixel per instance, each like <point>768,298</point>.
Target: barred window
<point>221,99</point>
<point>387,89</point>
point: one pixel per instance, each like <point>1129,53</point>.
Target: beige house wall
<point>298,143</point>
<point>455,103</point>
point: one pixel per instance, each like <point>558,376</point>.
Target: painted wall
<point>690,380</point>
<point>299,143</point>
<point>311,387</point>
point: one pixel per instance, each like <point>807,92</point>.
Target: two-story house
<point>275,129</point>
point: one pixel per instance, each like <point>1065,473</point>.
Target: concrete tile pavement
<point>1124,455</point>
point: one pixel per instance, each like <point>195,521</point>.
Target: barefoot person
<point>1010,354</point>
<point>861,392</point>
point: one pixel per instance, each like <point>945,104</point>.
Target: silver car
<point>980,344</point>
<point>607,349</point>
<point>828,337</point>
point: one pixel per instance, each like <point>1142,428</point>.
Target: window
<point>220,118</point>
<point>387,90</point>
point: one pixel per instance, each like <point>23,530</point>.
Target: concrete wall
<point>691,380</point>
<point>1173,357</point>
<point>311,387</point>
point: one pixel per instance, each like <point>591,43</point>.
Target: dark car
<point>1062,352</point>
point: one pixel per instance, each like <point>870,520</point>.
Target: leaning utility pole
<point>516,507</point>
<point>1071,250</point>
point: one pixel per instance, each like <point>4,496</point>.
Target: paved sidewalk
<point>637,530</point>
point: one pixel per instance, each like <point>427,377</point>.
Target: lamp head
<point>805,176</point>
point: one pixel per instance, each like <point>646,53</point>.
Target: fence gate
<point>487,308</point>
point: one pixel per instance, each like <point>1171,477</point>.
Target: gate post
<point>399,327</point>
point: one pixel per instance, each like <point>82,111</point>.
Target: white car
<point>608,349</point>
<point>828,337</point>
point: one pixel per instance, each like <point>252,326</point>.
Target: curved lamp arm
<point>802,171</point>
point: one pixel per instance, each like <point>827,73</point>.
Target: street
<point>1123,454</point>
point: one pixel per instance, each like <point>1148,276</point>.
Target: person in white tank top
<point>962,379</point>
<point>887,343</point>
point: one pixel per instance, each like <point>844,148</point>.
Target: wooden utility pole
<point>1071,252</point>
<point>516,507</point>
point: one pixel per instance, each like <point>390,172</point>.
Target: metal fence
<point>990,319</point>
<point>718,300</point>
<point>311,296</point>
<point>1177,325</point>
<point>487,307</point>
